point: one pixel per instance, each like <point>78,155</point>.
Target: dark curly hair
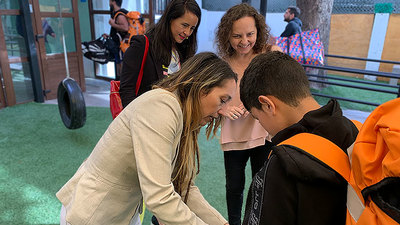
<point>224,30</point>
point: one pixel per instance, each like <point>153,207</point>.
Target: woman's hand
<point>234,112</point>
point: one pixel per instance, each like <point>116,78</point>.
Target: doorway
<point>53,20</point>
<point>15,72</point>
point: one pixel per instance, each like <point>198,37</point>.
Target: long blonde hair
<point>197,77</point>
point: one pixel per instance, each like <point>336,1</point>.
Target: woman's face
<point>182,27</point>
<point>243,35</point>
<point>215,100</point>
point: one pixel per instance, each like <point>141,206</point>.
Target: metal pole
<point>31,48</point>
<point>263,7</point>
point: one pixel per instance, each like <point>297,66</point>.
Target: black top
<point>153,70</point>
<point>293,27</point>
<point>296,188</point>
<point>114,32</point>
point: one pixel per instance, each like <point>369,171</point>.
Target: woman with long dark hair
<point>171,42</point>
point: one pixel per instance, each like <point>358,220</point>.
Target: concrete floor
<point>97,94</point>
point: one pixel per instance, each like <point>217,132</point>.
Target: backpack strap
<point>118,13</point>
<point>333,156</point>
<point>139,80</point>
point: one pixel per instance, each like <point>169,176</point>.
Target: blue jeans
<point>235,165</point>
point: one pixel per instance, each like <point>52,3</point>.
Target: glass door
<point>15,72</point>
<point>57,20</point>
<point>100,15</point>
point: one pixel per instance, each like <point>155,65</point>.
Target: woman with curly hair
<point>241,35</point>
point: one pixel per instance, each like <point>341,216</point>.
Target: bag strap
<point>287,45</point>
<point>302,48</point>
<point>139,80</point>
<point>118,13</point>
<point>333,156</point>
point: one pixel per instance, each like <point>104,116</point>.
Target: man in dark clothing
<point>119,29</point>
<point>119,24</point>
<point>294,23</point>
<point>293,187</point>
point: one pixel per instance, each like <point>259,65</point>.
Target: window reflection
<point>14,35</point>
<point>21,77</point>
<point>142,6</point>
<point>52,32</point>
<point>102,26</point>
<point>9,4</point>
<point>52,6</point>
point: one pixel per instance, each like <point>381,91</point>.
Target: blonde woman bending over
<point>150,152</point>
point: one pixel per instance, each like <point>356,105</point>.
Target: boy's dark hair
<point>163,42</point>
<point>276,74</point>
<point>294,10</point>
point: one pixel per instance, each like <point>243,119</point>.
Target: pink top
<point>243,133</point>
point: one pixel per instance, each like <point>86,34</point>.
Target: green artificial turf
<point>39,155</point>
<point>352,93</point>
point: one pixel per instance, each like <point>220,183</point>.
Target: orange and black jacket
<point>294,187</point>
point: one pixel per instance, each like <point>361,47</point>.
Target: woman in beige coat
<point>150,152</point>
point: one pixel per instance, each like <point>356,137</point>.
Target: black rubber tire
<point>71,104</point>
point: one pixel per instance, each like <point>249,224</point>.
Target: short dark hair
<point>118,2</point>
<point>161,32</point>
<point>276,74</point>
<point>294,10</point>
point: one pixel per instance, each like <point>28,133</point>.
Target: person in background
<point>150,152</point>
<point>294,23</point>
<point>119,29</point>
<point>172,41</point>
<point>47,31</point>
<point>241,35</point>
<point>293,187</point>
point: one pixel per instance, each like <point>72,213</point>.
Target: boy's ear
<point>267,104</point>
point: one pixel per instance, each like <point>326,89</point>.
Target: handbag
<point>98,51</point>
<point>305,47</point>
<point>115,98</point>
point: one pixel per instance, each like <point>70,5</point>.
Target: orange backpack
<point>372,167</point>
<point>137,26</point>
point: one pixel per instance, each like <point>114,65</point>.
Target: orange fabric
<point>358,124</point>
<point>135,28</point>
<point>372,215</point>
<point>335,157</point>
<point>381,132</point>
<point>371,159</point>
<point>375,156</point>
